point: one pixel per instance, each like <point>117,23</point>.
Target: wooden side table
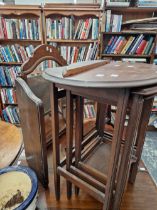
<point>116,84</point>
<point>10,143</point>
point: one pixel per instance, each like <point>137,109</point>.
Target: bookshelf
<point>20,33</point>
<point>74,29</point>
<point>23,28</point>
<point>128,41</point>
<point>129,46</point>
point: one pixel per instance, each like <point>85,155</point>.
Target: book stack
<point>113,22</point>
<point>89,111</point>
<point>145,26</point>
<point>19,28</point>
<point>8,75</point>
<point>8,96</point>
<point>11,114</point>
<point>130,45</point>
<point>147,3</point>
<point>64,28</point>
<point>15,53</point>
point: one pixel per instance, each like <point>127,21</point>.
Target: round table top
<point>112,75</point>
<point>10,143</point>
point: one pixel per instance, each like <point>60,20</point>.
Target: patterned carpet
<point>149,154</point>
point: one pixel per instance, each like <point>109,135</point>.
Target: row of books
<point>78,54</point>
<point>147,3</point>
<point>64,28</point>
<point>131,45</point>
<point>75,54</point>
<point>8,96</point>
<point>19,28</point>
<point>8,75</point>
<point>89,111</point>
<point>15,53</point>
<point>112,22</point>
<point>11,114</point>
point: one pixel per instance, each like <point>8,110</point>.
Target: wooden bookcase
<point>130,13</point>
<point>76,13</point>
<point>41,14</point>
<point>17,14</point>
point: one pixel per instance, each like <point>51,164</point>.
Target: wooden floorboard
<point>140,196</point>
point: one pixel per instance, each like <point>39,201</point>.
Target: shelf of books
<point>128,34</point>
<point>128,45</point>
<point>20,32</point>
<point>74,30</point>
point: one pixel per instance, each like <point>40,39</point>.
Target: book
<point>8,75</point>
<point>141,47</point>
<point>148,48</point>
<point>113,22</point>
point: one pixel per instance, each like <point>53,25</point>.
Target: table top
<point>112,75</point>
<point>10,143</point>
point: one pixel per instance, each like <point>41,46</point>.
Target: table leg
<point>132,129</point>
<point>55,138</point>
<point>141,137</point>
<point>115,148</point>
<point>78,132</point>
<point>100,118</point>
<point>69,137</point>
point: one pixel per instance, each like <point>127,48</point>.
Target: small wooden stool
<point>10,143</point>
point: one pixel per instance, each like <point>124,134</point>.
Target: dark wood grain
<point>40,54</point>
<point>55,137</point>
<point>33,129</point>
<point>69,135</point>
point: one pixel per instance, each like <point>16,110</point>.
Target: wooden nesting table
<point>131,88</point>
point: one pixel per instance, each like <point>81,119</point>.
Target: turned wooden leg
<point>69,137</point>
<point>100,118</point>
<point>55,137</point>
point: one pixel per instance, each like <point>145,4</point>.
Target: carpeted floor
<point>149,154</point>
